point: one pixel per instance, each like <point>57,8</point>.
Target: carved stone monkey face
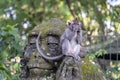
<point>53,44</point>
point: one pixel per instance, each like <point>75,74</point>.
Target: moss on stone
<point>53,26</point>
<point>91,70</point>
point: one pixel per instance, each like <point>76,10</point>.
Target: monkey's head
<point>75,25</point>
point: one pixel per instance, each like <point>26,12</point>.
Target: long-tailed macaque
<point>71,39</point>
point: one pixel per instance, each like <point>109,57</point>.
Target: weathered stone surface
<point>52,26</point>
<point>34,67</point>
<point>70,69</point>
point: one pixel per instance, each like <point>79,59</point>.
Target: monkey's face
<point>75,27</point>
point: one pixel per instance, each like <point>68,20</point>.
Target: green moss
<point>88,67</point>
<point>53,26</point>
<point>91,71</point>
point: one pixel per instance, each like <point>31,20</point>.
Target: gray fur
<point>70,41</point>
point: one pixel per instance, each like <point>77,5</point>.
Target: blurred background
<point>19,17</point>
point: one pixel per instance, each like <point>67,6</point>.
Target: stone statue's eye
<point>48,43</point>
<point>52,45</point>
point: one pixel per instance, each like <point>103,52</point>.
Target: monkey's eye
<point>76,25</point>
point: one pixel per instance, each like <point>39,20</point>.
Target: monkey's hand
<point>72,52</point>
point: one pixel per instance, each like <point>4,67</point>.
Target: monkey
<point>71,48</point>
<point>71,39</point>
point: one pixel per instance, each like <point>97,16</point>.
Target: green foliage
<point>10,47</point>
<point>9,70</point>
<point>114,71</point>
<point>98,53</point>
<point>90,61</point>
<point>91,70</point>
<point>10,40</point>
<point>86,69</point>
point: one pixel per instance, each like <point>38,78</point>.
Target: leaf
<point>4,75</point>
<point>14,32</point>
<point>3,33</point>
<point>16,66</point>
<point>4,53</point>
<point>90,56</point>
<point>100,52</point>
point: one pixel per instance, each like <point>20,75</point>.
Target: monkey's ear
<point>80,23</point>
<point>69,23</point>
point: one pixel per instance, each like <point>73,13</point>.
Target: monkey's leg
<point>66,47</point>
<point>76,52</point>
<point>77,48</point>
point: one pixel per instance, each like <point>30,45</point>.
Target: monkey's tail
<point>41,52</point>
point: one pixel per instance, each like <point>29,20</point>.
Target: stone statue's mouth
<point>38,63</point>
<point>42,68</point>
<point>39,66</point>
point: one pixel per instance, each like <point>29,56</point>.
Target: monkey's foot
<point>78,58</point>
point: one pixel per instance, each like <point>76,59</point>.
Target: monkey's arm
<point>63,37</point>
<point>81,37</point>
<point>68,34</point>
<point>66,47</point>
